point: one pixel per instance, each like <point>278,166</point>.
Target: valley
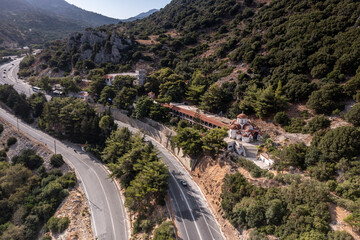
<point>229,119</point>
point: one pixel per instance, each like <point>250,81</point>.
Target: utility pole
<point>55,146</point>
<point>17,123</point>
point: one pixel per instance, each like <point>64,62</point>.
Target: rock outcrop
<point>99,46</point>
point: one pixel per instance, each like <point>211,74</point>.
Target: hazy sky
<point>120,9</point>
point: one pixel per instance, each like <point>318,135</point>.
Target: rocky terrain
<point>98,46</point>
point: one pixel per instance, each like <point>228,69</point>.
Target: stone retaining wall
<point>153,129</point>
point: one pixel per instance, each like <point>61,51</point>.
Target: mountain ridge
<point>140,15</point>
<point>26,22</point>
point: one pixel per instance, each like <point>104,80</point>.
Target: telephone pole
<point>55,146</point>
<point>17,124</point>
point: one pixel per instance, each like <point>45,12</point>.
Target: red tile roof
<point>242,116</point>
<point>193,114</point>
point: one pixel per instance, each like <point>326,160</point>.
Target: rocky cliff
<point>98,46</point>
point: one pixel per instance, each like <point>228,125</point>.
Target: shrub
<point>46,238</point>
<point>57,225</point>
<point>281,118</point>
<point>326,99</point>
<point>256,235</point>
<point>2,155</point>
<point>29,159</point>
<point>254,169</point>
<point>11,141</point>
<point>353,116</point>
<point>146,225</point>
<point>317,123</point>
<point>57,160</point>
<point>1,128</point>
<point>296,125</point>
<point>339,235</point>
<point>165,231</point>
<point>354,220</point>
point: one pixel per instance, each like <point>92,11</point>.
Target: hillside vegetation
<point>260,58</point>
<point>26,22</point>
<point>304,49</point>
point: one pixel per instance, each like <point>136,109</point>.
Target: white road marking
<point>177,205</point>
<point>188,205</point>
<point>49,139</point>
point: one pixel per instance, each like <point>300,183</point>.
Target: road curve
<point>109,219</point>
<point>193,218</point>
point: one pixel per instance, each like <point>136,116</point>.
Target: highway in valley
<point>193,217</point>
<point>109,219</point>
<point>108,216</point>
<point>194,220</point>
<point>8,73</point>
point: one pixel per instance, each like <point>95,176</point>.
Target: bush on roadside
<point>57,160</point>
<point>11,141</point>
<point>1,128</point>
<point>2,155</point>
<point>57,225</point>
<point>165,231</point>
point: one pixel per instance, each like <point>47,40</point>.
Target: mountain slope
<point>140,16</point>
<point>69,11</point>
<point>24,22</point>
<point>296,44</point>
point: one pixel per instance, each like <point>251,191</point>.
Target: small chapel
<point>242,129</point>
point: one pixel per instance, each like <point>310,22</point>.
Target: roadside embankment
<point>153,129</point>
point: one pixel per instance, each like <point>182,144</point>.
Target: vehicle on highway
<point>36,89</point>
<point>183,183</point>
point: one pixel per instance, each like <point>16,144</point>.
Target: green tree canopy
<point>353,116</point>
<point>189,140</point>
<point>213,141</point>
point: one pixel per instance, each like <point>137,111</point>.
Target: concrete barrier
<point>159,132</point>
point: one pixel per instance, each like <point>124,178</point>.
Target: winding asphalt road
<point>193,218</point>
<point>109,219</point>
<point>8,73</point>
<point>108,216</point>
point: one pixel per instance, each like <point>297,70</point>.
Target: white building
<point>235,146</point>
<point>265,158</point>
<point>140,76</point>
<point>85,96</point>
<point>242,129</point>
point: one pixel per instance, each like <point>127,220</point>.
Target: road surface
<point>8,75</point>
<point>109,219</point>
<point>192,215</point>
<point>193,218</point>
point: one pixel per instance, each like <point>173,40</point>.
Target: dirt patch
<point>338,122</point>
<point>149,42</point>
<point>75,208</point>
<point>158,215</point>
<point>279,135</point>
<point>24,142</point>
<point>337,223</point>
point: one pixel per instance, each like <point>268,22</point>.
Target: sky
<point>120,9</point>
